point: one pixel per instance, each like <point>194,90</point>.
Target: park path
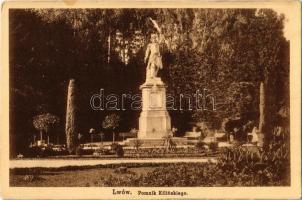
<point>24,163</point>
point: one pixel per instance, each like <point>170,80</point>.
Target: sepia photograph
<point>148,102</point>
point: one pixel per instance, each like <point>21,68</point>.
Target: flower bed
<point>235,167</point>
<point>170,153</point>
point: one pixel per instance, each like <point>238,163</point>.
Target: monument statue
<point>153,57</point>
<point>154,120</point>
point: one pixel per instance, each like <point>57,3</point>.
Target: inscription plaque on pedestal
<point>155,100</point>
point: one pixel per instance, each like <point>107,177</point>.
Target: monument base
<point>154,120</point>
<point>154,124</point>
<point>155,142</point>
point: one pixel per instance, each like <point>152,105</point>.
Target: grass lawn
<point>68,178</point>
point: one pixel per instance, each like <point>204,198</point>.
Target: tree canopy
<point>111,122</point>
<point>45,122</point>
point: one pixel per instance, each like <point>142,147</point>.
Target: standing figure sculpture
<point>152,56</point>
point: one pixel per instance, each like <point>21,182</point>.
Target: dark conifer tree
<point>71,111</point>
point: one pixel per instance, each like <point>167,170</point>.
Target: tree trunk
<point>109,48</point>
<point>41,135</point>
<point>113,138</point>
<point>262,111</point>
<point>70,127</point>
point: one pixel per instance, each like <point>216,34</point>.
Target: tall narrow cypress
<point>71,126</point>
<point>262,112</point>
<point>261,108</point>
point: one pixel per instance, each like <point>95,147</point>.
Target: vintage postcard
<point>150,100</point>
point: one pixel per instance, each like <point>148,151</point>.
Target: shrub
<point>28,178</point>
<point>44,151</point>
<point>120,151</point>
<point>213,146</point>
<point>79,151</point>
<point>200,145</point>
<point>31,175</point>
<point>121,169</point>
<point>87,151</point>
<point>114,146</point>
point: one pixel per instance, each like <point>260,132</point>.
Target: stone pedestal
<point>154,121</point>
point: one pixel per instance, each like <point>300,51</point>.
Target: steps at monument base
<point>155,142</point>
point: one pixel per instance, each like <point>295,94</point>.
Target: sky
<point>286,29</point>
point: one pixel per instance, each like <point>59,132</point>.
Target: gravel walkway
<point>24,163</point>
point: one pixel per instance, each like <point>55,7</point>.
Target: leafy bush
<point>213,146</point>
<point>114,146</point>
<point>121,169</point>
<point>120,151</point>
<point>199,144</point>
<point>87,151</point>
<point>44,151</point>
<point>29,178</point>
<point>79,151</point>
<point>101,151</point>
<point>262,167</point>
<point>32,175</point>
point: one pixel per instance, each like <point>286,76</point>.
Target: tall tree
<point>71,117</point>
